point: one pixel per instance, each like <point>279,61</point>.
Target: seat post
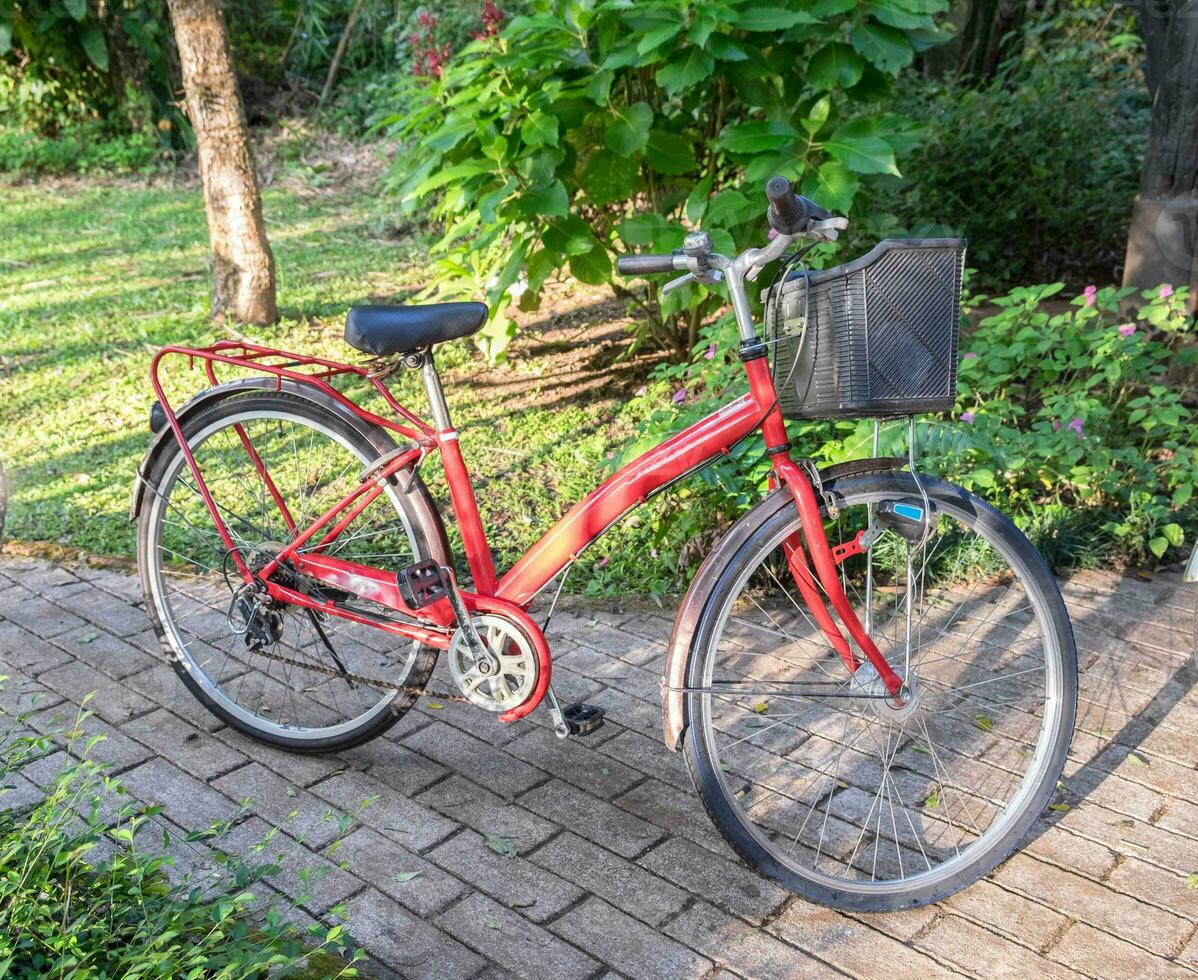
<point>436,394</point>
<point>461,490</point>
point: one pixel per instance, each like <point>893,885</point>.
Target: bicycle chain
<point>416,689</point>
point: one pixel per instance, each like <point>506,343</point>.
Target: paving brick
<point>403,942</point>
<point>110,612</point>
<point>516,882</point>
<point>393,815</point>
<point>1156,931</point>
<point>1005,912</point>
<point>615,879</point>
<point>577,762</point>
<point>27,653</point>
<point>485,764</point>
<point>628,945</point>
<point>114,701</point>
<point>967,946</point>
<point>849,945</point>
<point>293,810</point>
<point>389,762</point>
<point>600,822</point>
<point>731,885</point>
<point>186,801</point>
<point>377,860</point>
<point>461,801</point>
<point>300,769</point>
<point>519,946</point>
<point>1099,954</point>
<point>649,756</point>
<point>102,650</point>
<point>113,749</point>
<point>41,617</point>
<point>750,952</point>
<point>161,685</point>
<point>20,693</point>
<point>191,749</point>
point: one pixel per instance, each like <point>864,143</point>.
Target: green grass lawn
<point>95,277</point>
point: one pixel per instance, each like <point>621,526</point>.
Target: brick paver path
<point>618,871</point>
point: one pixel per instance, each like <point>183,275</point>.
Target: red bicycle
<point>872,676</point>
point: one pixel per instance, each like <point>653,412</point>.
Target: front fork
<point>812,540</point>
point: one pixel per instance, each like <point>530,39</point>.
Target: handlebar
<point>643,265</point>
<point>789,214</point>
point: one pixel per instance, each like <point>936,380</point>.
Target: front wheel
<point>828,786</point>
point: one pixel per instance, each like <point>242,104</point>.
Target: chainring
<point>504,682</point>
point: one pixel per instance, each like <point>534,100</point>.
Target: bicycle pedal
<point>583,719</point>
<point>421,584</point>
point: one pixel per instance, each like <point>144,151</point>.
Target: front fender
<point>673,704</point>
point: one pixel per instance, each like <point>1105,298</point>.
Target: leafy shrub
<point>590,129</point>
<point>85,148</point>
<point>1074,421</point>
<point>1038,167</point>
<point>88,888</point>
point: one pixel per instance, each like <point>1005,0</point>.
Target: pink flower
<point>1076,426</point>
<point>641,391</point>
<point>604,560</point>
<point>1166,291</point>
<point>652,552</point>
<point>967,417</point>
<point>679,396</point>
<point>1127,329</point>
<point>969,355</point>
<point>710,353</point>
<point>1089,293</point>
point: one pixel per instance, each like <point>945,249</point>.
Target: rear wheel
<point>813,774</point>
<point>283,680</point>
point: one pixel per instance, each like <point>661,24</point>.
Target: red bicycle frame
<point>811,560</point>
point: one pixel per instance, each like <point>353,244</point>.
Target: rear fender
<point>426,511</point>
<point>699,594</point>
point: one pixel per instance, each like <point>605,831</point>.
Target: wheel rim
<point>822,819</point>
<point>186,588</point>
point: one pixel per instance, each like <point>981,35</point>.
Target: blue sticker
<point>909,511</point>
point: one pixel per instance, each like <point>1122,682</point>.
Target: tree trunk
<point>342,47</point>
<point>243,268</point>
<point>1164,226</point>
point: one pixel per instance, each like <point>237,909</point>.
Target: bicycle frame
<point>510,594</point>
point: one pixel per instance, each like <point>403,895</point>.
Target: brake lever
<point>708,277</point>
<point>680,281</point>
<point>827,230</point>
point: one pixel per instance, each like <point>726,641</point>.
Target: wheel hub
<point>887,706</point>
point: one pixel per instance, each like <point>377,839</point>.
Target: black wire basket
<point>875,337</point>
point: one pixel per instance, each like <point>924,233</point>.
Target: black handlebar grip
<point>786,214</point>
<point>644,265</point>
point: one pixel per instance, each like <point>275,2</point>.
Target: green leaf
<point>1158,546</point>
<point>1060,807</point>
<point>932,801</point>
<point>834,186</point>
<point>451,132</point>
<point>696,203</point>
<point>402,876</point>
<point>539,129</point>
<point>643,229</point>
<point>702,26</point>
<point>593,267</point>
<point>883,46</point>
<point>1192,880</point>
<point>669,153</point>
<point>630,131</point>
<point>94,45</point>
<point>609,177</point>
<point>854,146</point>
<point>598,87</point>
<point>1174,534</point>
<point>729,208</point>
<point>983,722</point>
<point>685,69</point>
<point>503,846</point>
<point>1135,760</point>
<point>5,37</point>
<point>761,707</point>
<point>758,137</point>
<point>1182,495</point>
<point>835,64</point>
<point>76,8</point>
<point>818,115</point>
<point>655,37</point>
<point>768,18</point>
<point>726,49</point>
<point>545,201</point>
